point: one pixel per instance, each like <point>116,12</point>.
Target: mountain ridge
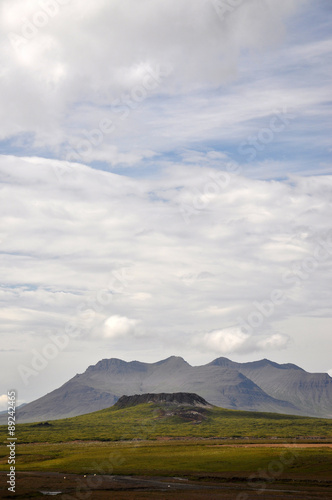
<point>254,386</point>
<point>259,363</point>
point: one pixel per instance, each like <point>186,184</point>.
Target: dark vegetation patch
<point>42,424</point>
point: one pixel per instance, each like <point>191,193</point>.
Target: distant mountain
<point>310,393</point>
<point>258,386</point>
<point>5,412</point>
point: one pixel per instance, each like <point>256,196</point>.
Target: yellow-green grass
<point>172,459</point>
<point>148,422</point>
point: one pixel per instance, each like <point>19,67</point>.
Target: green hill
<point>163,420</point>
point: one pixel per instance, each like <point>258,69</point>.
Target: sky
<point>165,184</point>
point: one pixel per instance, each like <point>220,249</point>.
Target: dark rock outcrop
<point>177,398</point>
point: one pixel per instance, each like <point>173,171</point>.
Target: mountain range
<point>255,386</point>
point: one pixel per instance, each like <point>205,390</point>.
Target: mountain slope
<point>258,386</point>
<point>312,392</point>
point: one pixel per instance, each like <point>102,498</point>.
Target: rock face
<point>178,398</point>
<point>258,386</point>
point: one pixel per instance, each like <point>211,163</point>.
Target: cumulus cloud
<point>225,341</point>
<point>3,402</point>
<point>233,341</point>
<point>275,341</point>
<point>119,326</point>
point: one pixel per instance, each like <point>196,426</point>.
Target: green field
<point>214,447</point>
<point>150,421</point>
<point>169,458</point>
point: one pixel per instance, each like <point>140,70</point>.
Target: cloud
<point>3,402</point>
<point>225,341</point>
<point>82,90</point>
<point>233,340</point>
<point>119,326</point>
<point>275,341</point>
<point>220,129</point>
<point>81,246</point>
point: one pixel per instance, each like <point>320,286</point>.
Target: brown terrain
<point>223,486</point>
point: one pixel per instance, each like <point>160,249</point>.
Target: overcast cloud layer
<point>166,184</point>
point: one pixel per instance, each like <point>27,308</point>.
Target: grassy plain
<point>162,458</point>
<point>147,447</point>
<point>150,421</point>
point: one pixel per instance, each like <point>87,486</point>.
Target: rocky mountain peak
<point>173,360</point>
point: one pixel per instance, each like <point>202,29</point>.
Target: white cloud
<point>233,341</point>
<point>3,402</point>
<point>188,244</point>
<point>119,326</point>
<point>89,245</point>
<point>117,61</point>
<point>225,341</point>
<point>275,341</point>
